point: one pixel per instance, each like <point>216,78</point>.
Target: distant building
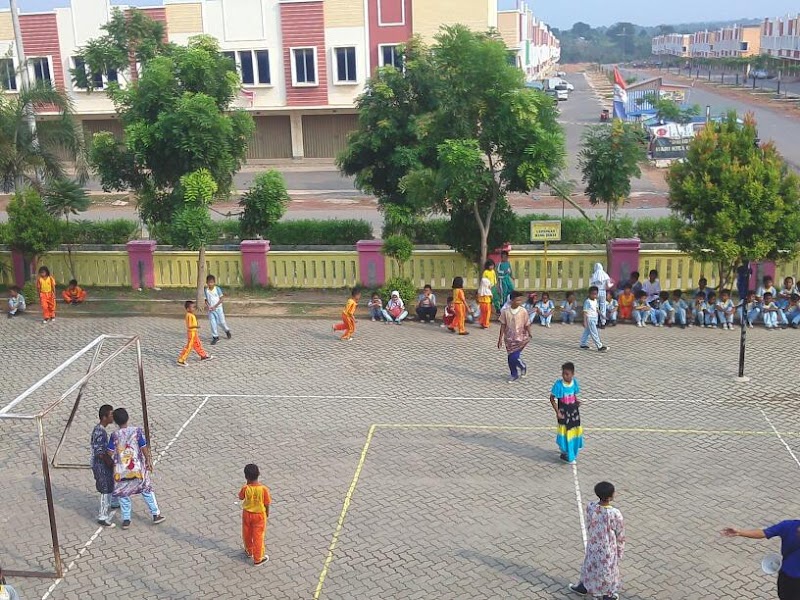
<point>738,42</point>
<point>780,37</point>
<point>672,44</point>
<point>534,48</point>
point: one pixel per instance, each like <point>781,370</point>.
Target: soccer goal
<point>103,351</point>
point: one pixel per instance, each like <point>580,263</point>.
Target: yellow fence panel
<point>785,269</point>
<point>566,270</point>
<point>326,270</point>
<point>179,269</point>
<point>436,268</point>
<point>106,268</point>
<point>676,270</point>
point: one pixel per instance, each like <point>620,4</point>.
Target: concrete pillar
<point>254,262</point>
<point>296,123</point>
<point>759,270</point>
<point>142,265</point>
<point>623,258</point>
<point>19,267</point>
<point>371,263</point>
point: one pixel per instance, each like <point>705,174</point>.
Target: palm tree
<point>33,157</point>
<point>62,198</point>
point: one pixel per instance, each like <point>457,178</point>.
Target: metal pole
<point>544,278</point>
<point>48,490</point>
<point>744,271</point>
<point>142,392</point>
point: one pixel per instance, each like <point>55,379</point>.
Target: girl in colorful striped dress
<point>564,399</point>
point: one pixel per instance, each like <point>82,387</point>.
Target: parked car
<point>562,95</point>
<point>759,74</point>
<point>561,74</point>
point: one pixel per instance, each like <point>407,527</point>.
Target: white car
<point>561,74</point>
<point>562,95</point>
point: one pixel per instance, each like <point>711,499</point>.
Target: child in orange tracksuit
<point>74,294</point>
<point>46,286</point>
<point>459,306</point>
<point>485,302</point>
<point>348,324</point>
<point>192,339</point>
<point>255,512</point>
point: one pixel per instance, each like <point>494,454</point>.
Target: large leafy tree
<point>609,159</point>
<point>176,116</point>
<point>468,133</point>
<point>737,200</point>
<point>30,156</point>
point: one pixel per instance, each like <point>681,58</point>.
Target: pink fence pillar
<point>371,263</point>
<point>254,262</point>
<point>140,259</point>
<point>19,267</point>
<point>759,270</point>
<point>495,256</point>
<point>623,258</point>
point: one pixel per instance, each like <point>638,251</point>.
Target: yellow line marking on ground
<point>741,432</point>
<point>345,507</point>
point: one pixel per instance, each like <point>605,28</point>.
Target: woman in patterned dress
<point>605,544</point>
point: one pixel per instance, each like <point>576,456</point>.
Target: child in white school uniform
<point>699,308</point>
<point>612,308</point>
<point>531,305</point>
<point>725,309</point>
<point>216,314</point>
<point>784,300</point>
<point>545,307</point>
<point>569,309</point>
<point>769,311</point>
<point>710,318</point>
<point>665,311</point>
<point>679,308</point>
<point>641,309</point>
<point>793,314</point>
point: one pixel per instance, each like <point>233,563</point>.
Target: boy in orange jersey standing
<point>255,512</point>
<point>348,324</point>
<point>192,338</point>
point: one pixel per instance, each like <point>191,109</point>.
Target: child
<point>569,309</point>
<point>255,513</point>
<point>605,546</point>
<point>46,287</point>
<point>74,294</point>
<point>612,308</point>
<point>626,302</point>
<point>699,310</point>
<point>449,314</point>
<point>590,321</point>
<point>485,302</point>
<point>102,465</point>
<point>545,308</point>
<point>665,313</point>
<point>7,592</point>
<point>426,305</point>
<point>769,311</point>
<point>710,310</point>
<point>515,331</point>
<point>679,307</point>
<point>348,324</point>
<point>216,315</point>
<point>641,309</point>
<point>793,316</point>
<point>653,288</point>
<point>564,400</point>
<point>473,310</point>
<point>16,302</point>
<point>785,296</point>
<point>702,288</point>
<point>752,308</point>
<point>192,339</point>
<point>767,285</point>
<point>375,306</point>
<point>725,310</point>
<point>460,306</point>
<point>531,307</point>
<point>395,310</point>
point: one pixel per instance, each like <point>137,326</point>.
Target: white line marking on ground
<point>780,437</point>
<point>99,530</point>
<point>580,503</point>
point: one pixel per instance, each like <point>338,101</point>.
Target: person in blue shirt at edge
<point>789,574</point>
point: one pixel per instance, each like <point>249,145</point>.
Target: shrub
<point>230,230</point>
<point>431,231</point>
<point>115,231</point>
<point>406,287</point>
<point>399,248</point>
<point>264,203</point>
<point>30,228</point>
<point>345,232</point>
<point>29,292</point>
<point>655,230</point>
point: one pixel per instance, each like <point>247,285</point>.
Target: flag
<point>620,96</point>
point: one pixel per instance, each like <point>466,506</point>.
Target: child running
<point>46,287</point>
<point>255,513</point>
<point>348,324</point>
<point>564,399</point>
<point>605,531</point>
<point>590,317</point>
<point>216,314</point>
<point>515,331</point>
<point>192,338</point>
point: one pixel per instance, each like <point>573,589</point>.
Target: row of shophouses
<point>302,63</point>
<point>778,37</point>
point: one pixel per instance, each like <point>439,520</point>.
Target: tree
<point>582,30</point>
<point>669,110</point>
<point>737,201</point>
<point>192,227</point>
<point>609,159</point>
<point>31,229</point>
<point>62,198</point>
<point>264,203</point>
<point>28,157</point>
<point>400,249</point>
<point>177,117</point>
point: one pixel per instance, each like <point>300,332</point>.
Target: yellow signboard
<point>545,231</point>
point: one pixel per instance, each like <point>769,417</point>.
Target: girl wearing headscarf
<point>604,283</point>
<point>395,310</point>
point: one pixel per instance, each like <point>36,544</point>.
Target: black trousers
<point>788,587</point>
<point>426,313</point>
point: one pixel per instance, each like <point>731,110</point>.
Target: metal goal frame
<point>126,342</point>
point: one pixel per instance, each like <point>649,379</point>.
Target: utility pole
<point>30,117</point>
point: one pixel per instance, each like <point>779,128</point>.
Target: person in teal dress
<point>505,280</point>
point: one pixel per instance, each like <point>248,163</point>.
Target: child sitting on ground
<point>725,310</point>
<point>770,311</point>
<point>473,310</point>
<point>545,308</point>
<point>710,311</point>
<point>665,310</point>
<point>74,294</point>
<point>752,308</point>
<point>679,308</point>
<point>626,301</point>
<point>531,306</point>
<point>699,309</point>
<point>449,314</point>
<point>375,306</point>
<point>702,288</point>
<point>569,309</point>
<point>641,309</point>
<point>16,302</point>
<point>612,308</point>
<point>793,314</point>
<point>784,300</point>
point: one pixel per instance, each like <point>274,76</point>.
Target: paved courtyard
<point>402,465</point>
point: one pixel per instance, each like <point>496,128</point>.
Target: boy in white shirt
<point>216,315</point>
<point>590,318</point>
<point>16,302</point>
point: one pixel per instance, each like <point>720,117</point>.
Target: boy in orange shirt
<point>255,512</point>
<point>74,294</point>
<point>46,287</point>
<point>192,339</point>
<point>348,324</point>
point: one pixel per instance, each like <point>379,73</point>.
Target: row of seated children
<point>17,305</point>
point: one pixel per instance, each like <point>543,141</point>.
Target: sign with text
<point>545,231</point>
